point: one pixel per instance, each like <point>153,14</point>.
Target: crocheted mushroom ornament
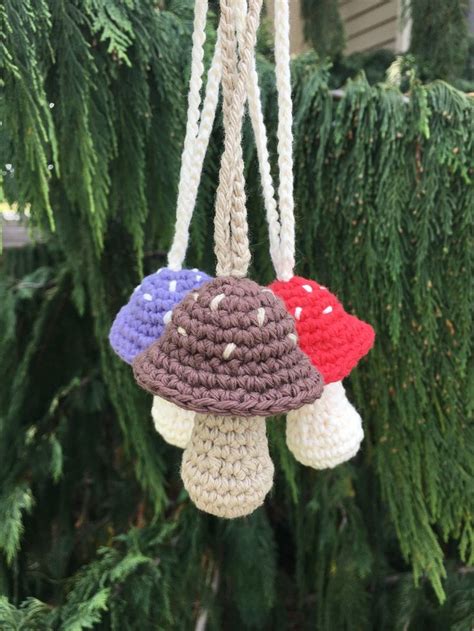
<point>141,322</point>
<point>230,354</point>
<point>329,431</point>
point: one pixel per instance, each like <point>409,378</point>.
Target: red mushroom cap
<point>333,339</point>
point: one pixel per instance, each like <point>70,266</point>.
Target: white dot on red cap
<point>327,310</point>
<point>298,311</point>
<point>307,288</point>
<point>147,297</point>
<point>172,286</point>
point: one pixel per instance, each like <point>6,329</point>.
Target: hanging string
<point>231,233</point>
<point>195,149</point>
<point>281,224</point>
<point>285,140</point>
<point>260,133</point>
<point>189,167</point>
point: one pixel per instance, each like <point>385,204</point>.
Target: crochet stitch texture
<point>230,349</point>
<point>227,469</point>
<point>142,320</point>
<point>334,340</point>
<point>173,423</point>
<point>327,432</point>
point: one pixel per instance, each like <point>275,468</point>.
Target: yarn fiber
<point>230,348</point>
<point>142,320</point>
<point>327,432</point>
<point>173,423</point>
<point>333,339</point>
<point>226,468</point>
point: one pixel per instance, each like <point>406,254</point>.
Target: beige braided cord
<point>231,231</point>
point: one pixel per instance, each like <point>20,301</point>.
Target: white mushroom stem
<point>226,467</point>
<point>327,432</point>
<point>173,423</point>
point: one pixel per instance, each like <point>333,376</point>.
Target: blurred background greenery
<point>95,528</point>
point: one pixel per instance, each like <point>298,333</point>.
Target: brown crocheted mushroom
<point>230,354</point>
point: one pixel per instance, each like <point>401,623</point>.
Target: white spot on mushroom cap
<point>172,285</point>
<point>327,310</point>
<point>198,276</point>
<point>307,288</point>
<point>137,288</point>
<point>167,317</point>
<point>147,297</point>
<point>181,331</point>
<point>228,350</point>
<point>195,269</point>
<point>261,316</point>
<point>298,311</point>
<point>214,304</point>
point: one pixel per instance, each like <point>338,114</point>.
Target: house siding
<point>370,24</point>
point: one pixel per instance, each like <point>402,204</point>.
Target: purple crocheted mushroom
<point>142,320</point>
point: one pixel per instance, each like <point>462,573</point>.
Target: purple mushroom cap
<point>142,320</point>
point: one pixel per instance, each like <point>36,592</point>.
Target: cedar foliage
<point>439,36</point>
<point>95,528</point>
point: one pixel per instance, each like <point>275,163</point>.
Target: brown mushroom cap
<point>230,349</point>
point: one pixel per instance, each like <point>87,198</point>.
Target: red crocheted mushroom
<point>334,340</point>
<point>328,431</point>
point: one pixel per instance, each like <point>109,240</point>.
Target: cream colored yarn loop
<point>231,231</point>
<point>191,166</point>
<point>286,262</point>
